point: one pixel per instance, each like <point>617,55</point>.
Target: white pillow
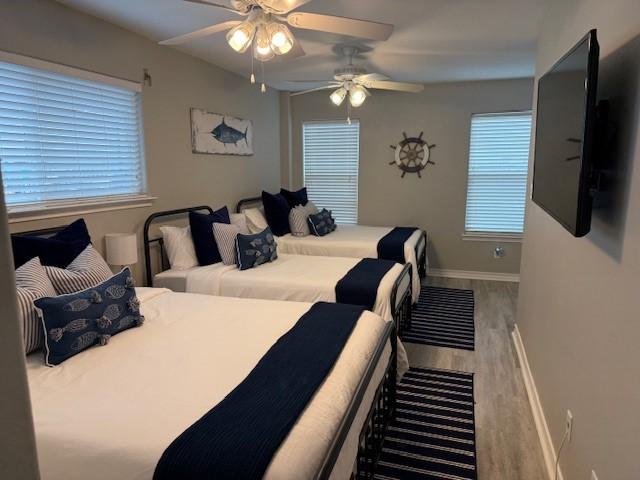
<point>179,246</point>
<point>256,220</point>
<point>240,221</point>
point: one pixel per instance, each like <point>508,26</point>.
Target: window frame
<point>479,236</point>
<point>357,176</point>
<point>66,207</point>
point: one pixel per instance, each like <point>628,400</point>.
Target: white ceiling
<point>433,40</point>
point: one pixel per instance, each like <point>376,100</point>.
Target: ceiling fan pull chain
<point>263,88</point>
<point>253,77</point>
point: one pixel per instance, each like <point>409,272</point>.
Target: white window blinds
<point>498,164</point>
<point>331,153</point>
<point>64,138</point>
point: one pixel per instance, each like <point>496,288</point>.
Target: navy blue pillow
<point>295,198</point>
<point>276,210</point>
<point>322,223</point>
<point>256,249</point>
<point>59,250</point>
<point>77,321</point>
<point>202,234</point>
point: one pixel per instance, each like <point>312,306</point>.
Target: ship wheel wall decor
<point>412,155</point>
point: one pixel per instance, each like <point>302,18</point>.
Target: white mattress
<point>357,241</point>
<point>110,412</point>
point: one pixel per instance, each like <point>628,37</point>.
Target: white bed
<point>110,412</point>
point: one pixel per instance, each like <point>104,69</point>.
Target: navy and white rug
<point>433,434</point>
<point>443,317</point>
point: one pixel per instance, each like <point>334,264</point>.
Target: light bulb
<point>262,49</point>
<point>280,38</point>
<point>357,96</point>
<point>240,37</point>
<point>338,96</point>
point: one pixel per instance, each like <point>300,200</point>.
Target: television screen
<point>565,129</point>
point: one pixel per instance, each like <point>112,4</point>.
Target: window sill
<point>26,213</point>
<point>492,237</point>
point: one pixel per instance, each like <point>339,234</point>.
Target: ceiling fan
<point>265,27</point>
<point>355,82</point>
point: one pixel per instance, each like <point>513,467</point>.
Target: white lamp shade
<point>122,248</point>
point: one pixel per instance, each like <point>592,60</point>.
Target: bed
<point>287,278</point>
<point>357,241</point>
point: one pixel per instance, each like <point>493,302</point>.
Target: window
<point>68,139</point>
<point>498,164</point>
<point>331,152</point>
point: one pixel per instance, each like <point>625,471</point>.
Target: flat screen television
<point>565,147</point>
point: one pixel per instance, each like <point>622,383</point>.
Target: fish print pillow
<point>321,223</point>
<point>74,322</point>
<point>254,250</point>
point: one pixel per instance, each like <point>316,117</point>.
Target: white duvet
<point>110,412</point>
<point>357,241</point>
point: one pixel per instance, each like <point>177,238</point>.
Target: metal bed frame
<point>382,409</point>
<point>421,256</point>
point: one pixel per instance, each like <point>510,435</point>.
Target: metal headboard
<point>252,202</point>
<point>148,241</point>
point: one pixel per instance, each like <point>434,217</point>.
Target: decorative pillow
<point>276,209</point>
<point>226,239</point>
<point>202,233</point>
<point>255,220</point>
<point>256,249</point>
<point>295,198</point>
<point>87,270</point>
<point>75,322</point>
<point>298,219</point>
<point>321,223</point>
<point>179,246</point>
<point>311,208</point>
<point>240,220</point>
<point>58,250</point>
<point>32,283</point>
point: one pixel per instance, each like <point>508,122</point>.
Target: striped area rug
<point>443,317</point>
<point>433,434</point>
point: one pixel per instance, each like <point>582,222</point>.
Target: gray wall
<point>579,301</point>
<point>437,201</point>
<point>48,30</point>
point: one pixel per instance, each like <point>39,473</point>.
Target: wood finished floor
<point>506,439</point>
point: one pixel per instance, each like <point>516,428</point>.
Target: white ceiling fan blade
<point>282,7</point>
<point>370,77</point>
<point>340,25</point>
<point>211,4</point>
<point>397,86</point>
<point>304,92</point>
<point>203,32</point>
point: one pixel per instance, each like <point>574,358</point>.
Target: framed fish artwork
<point>220,134</point>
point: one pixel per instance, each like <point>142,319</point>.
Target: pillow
<point>321,223</point>
<point>298,219</point>
<point>225,236</point>
<point>256,249</point>
<point>75,322</point>
<point>240,220</point>
<point>276,209</point>
<point>202,234</point>
<point>255,220</point>
<point>295,198</point>
<point>311,208</point>
<point>58,250</point>
<point>179,246</point>
<point>87,270</point>
<point>31,283</point>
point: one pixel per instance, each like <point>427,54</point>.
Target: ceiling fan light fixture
<point>338,96</point>
<point>281,39</point>
<point>262,48</point>
<point>240,37</point>
<point>357,95</point>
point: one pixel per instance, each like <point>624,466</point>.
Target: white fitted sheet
<point>357,241</point>
<point>110,412</point>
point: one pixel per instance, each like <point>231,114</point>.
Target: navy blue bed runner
<point>360,285</point>
<point>238,437</point>
<point>391,246</point>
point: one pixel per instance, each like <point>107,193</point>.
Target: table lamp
<point>122,249</point>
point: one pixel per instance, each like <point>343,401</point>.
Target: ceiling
<point>433,40</point>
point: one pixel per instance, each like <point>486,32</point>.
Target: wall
<point>436,202</point>
<point>578,310</point>
<point>48,30</point>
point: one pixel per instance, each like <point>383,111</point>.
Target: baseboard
<point>548,450</point>
<point>500,277</point>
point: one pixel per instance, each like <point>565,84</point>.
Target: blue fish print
<point>227,135</point>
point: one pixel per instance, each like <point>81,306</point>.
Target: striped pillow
<point>87,270</point>
<point>32,283</point>
<point>298,219</point>
<point>225,235</point>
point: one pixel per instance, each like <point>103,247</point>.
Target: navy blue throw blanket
<point>238,437</point>
<point>360,285</point>
<point>391,246</point>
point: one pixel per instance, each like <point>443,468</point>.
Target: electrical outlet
<point>593,475</point>
<point>569,425</point>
